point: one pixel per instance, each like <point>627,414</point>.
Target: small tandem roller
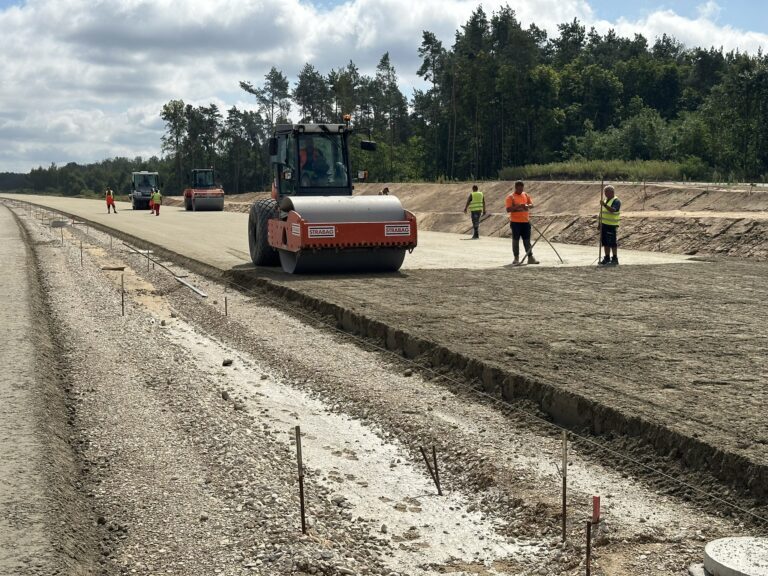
<point>203,193</point>
<point>313,223</point>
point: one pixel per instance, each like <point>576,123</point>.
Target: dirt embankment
<point>677,218</point>
<point>662,218</point>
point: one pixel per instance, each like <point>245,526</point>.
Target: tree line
<point>502,96</point>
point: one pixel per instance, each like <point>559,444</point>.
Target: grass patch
<point>628,170</point>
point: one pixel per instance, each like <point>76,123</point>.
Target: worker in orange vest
<point>110,200</point>
<point>518,205</point>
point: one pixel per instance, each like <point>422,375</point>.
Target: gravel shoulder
<point>42,530</point>
<point>189,466</point>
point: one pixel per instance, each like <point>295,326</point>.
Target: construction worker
<point>157,199</point>
<point>518,206</point>
<point>110,200</point>
<point>610,215</point>
<point>476,206</point>
<point>384,191</point>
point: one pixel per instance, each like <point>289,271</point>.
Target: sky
<point>84,80</point>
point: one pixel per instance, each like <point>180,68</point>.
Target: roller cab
<point>313,223</point>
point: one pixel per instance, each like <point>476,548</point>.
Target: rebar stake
<point>437,472</point>
<point>435,479</point>
<point>301,479</point>
<point>565,482</point>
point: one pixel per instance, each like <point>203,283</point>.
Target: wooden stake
<point>81,252</point>
<point>225,307</point>
<point>595,509</point>
<point>565,482</point>
<point>122,293</point>
<point>301,479</point>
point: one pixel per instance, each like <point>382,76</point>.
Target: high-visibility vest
<point>610,218</point>
<point>516,199</point>
<point>156,198</point>
<point>476,204</point>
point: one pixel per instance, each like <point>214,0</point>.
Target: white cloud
<point>84,80</point>
<point>710,10</point>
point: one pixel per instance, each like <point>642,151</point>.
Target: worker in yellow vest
<point>157,199</point>
<point>610,216</point>
<point>476,206</point>
<point>110,200</point>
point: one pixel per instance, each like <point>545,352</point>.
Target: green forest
<point>503,101</point>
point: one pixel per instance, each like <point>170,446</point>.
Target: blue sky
<point>745,14</point>
<point>82,82</point>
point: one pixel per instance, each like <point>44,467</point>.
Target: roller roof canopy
<point>310,128</point>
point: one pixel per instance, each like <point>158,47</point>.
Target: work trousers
<point>475,215</point>
<point>157,209</point>
<point>521,230</point>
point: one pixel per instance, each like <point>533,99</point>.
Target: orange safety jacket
<point>519,200</point>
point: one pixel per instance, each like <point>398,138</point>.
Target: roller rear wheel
<point>262,254</point>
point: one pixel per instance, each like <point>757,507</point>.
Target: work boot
<point>614,261</point>
<point>604,262</point>
<point>532,260</point>
<point>475,237</point>
<point>516,262</point>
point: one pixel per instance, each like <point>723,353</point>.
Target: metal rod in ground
<point>110,242</point>
<point>565,483</point>
<point>437,472</point>
<point>541,235</point>
<point>301,479</point>
<point>589,548</point>
<point>62,235</point>
<point>226,313</point>
<point>81,253</point>
<point>429,467</point>
<point>600,223</point>
<point>122,293</point>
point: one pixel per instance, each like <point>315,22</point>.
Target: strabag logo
<point>321,231</point>
<point>397,230</point>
